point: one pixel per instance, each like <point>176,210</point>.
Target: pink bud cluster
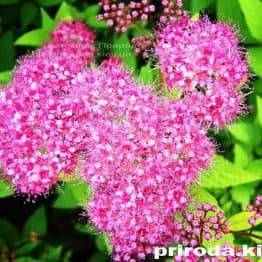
<point>38,130</point>
<point>257,208</point>
<point>204,61</point>
<point>205,224</point>
<point>121,15</point>
<point>170,10</point>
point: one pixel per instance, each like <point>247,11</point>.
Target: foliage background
<point>53,228</point>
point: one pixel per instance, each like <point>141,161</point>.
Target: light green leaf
<point>5,189</point>
<point>255,168</point>
<point>35,38</point>
<point>239,222</point>
<point>199,5</point>
<point>257,86</point>
<point>253,15</point>
<point>242,155</point>
<point>90,14</point>
<point>49,2</point>
<point>36,223</point>
<point>242,194</point>
<point>255,54</point>
<point>48,24</point>
<point>226,239</point>
<point>259,110</point>
<point>224,174</point>
<point>147,74</point>
<point>103,244</point>
<point>123,49</point>
<point>64,12</point>
<point>246,132</point>
<point>5,77</point>
<point>74,195</point>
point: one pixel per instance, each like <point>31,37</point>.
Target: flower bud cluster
<point>257,208</point>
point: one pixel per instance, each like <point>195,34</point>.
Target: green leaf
<point>255,168</point>
<point>90,14</point>
<point>7,54</point>
<point>5,77</point>
<point>200,195</point>
<point>64,12</point>
<point>5,189</point>
<point>224,174</point>
<point>36,223</point>
<point>123,49</point>
<point>103,244</point>
<point>199,5</point>
<point>74,195</point>
<point>49,2</point>
<point>255,55</point>
<point>259,110</point>
<point>257,86</point>
<point>27,248</point>
<point>8,232</point>
<point>253,15</point>
<point>242,155</point>
<point>48,24</point>
<point>86,229</point>
<point>226,239</point>
<point>239,222</point>
<point>147,74</point>
<point>35,38</point>
<point>28,13</point>
<point>52,254</point>
<point>8,2</point>
<point>247,133</point>
<point>242,194</point>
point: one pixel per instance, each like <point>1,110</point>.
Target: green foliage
<point>36,223</point>
<point>5,189</point>
<point>34,38</point>
<point>73,195</point>
<point>255,54</point>
<point>90,14</point>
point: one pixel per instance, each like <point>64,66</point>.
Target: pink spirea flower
<point>204,61</point>
<point>142,153</point>
<point>40,126</point>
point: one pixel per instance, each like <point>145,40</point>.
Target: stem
<point>244,233</point>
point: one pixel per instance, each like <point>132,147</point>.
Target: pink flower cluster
<point>38,130</point>
<point>203,60</point>
<point>143,154</point>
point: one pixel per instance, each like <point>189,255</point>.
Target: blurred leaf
<point>28,13</point>
<point>200,195</point>
<point>27,248</point>
<point>90,14</point>
<point>230,11</point>
<point>239,222</point>
<point>253,15</point>
<point>173,93</point>
<point>242,194</point>
<point>73,195</point>
<point>64,12</point>
<point>103,244</point>
<point>259,110</point>
<point>199,5</point>
<point>35,38</point>
<point>246,132</point>
<point>123,49</point>
<point>48,24</point>
<point>8,232</point>
<point>255,168</point>
<point>52,254</point>
<point>26,259</point>
<point>86,229</point>
<point>242,155</point>
<point>5,189</point>
<point>5,77</point>
<point>257,86</point>
<point>256,240</point>
<point>7,54</point>
<point>147,74</point>
<point>98,257</point>
<point>36,223</point>
<point>8,2</point>
<point>49,2</point>
<point>224,174</point>
<point>255,54</point>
